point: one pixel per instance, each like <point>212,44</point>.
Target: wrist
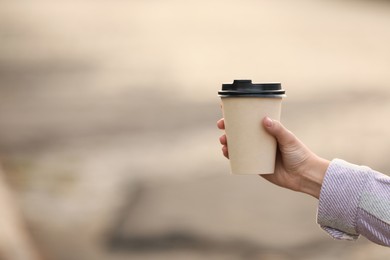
<point>313,176</point>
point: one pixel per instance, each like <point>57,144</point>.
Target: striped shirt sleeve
<point>355,200</point>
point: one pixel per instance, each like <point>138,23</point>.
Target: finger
<point>223,140</point>
<point>225,151</point>
<point>221,124</point>
<point>282,134</point>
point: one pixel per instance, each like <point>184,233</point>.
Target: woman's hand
<point>297,168</point>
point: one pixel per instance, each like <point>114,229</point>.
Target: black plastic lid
<point>247,88</point>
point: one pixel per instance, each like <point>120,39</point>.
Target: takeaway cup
<point>244,104</point>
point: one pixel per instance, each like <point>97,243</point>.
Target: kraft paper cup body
<point>251,149</point>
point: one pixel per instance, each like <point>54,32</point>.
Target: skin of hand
<point>297,167</point>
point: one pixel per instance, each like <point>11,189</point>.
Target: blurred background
<point>108,113</point>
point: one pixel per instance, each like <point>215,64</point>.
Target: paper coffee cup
<point>244,105</point>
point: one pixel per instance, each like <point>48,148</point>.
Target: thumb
<point>276,129</point>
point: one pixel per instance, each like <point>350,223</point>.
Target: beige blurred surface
<point>108,113</point>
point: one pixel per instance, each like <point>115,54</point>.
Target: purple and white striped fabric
<point>355,200</point>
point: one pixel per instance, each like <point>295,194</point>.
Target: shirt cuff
<point>339,199</point>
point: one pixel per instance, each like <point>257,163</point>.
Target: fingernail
<point>268,122</point>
